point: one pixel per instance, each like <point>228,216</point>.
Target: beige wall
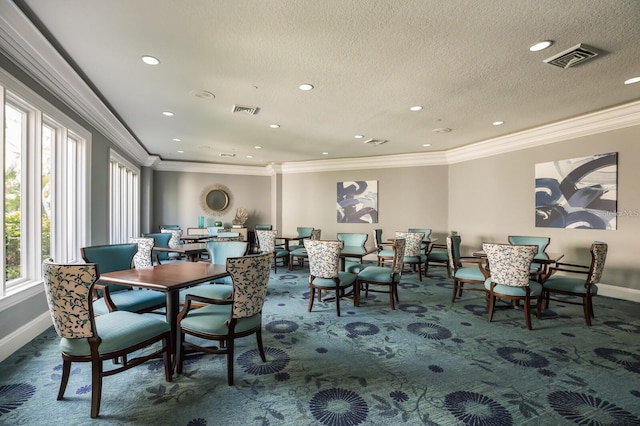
<point>491,198</point>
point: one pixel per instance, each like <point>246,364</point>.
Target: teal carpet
<point>428,362</point>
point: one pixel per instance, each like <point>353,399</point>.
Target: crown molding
<point>21,41</point>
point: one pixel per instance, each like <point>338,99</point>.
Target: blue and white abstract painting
<point>357,201</point>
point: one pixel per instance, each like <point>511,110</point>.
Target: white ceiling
<point>466,62</point>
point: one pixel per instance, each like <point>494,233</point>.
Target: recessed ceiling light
<point>416,108</point>
<point>257,147</point>
<point>306,87</point>
<point>177,139</point>
<point>632,80</point>
<point>249,156</point>
<point>426,144</point>
<point>325,153</point>
<point>150,60</point>
<point>442,130</point>
<point>167,113</point>
<point>202,94</point>
<point>498,123</point>
<point>274,126</point>
<point>180,152</point>
<point>359,136</point>
<point>540,46</point>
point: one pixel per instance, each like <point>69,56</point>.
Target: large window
<point>124,218</point>
<point>44,157</point>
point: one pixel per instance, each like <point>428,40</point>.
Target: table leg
<point>173,309</point>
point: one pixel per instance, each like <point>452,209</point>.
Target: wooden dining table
<point>190,250</point>
<point>168,278</point>
<point>288,238</point>
<point>358,252</point>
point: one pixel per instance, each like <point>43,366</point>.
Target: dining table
<point>287,238</point>
<point>168,278</point>
<point>190,250</point>
<point>358,252</point>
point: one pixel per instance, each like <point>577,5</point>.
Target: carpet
<point>430,362</point>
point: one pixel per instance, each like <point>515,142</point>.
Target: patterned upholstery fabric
<point>510,264</point>
<point>324,257</point>
<point>176,235</point>
<point>142,258</point>
<point>413,242</point>
<point>400,249</point>
<point>316,234</point>
<point>599,253</point>
<point>68,291</point>
<point>266,240</point>
<point>250,276</point>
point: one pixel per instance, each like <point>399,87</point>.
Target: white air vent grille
<point>222,154</point>
<point>375,142</point>
<point>245,109</point>
<point>572,57</point>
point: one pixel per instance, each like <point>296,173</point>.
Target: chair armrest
<point>566,267</point>
<point>106,295</point>
<point>476,261</point>
<point>193,298</point>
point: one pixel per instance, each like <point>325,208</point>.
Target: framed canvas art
<point>357,201</point>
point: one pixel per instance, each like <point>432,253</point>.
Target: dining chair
<point>324,271</point>
<point>541,242</point>
<point>143,257</point>
<point>161,227</point>
<point>385,250</point>
<point>303,232</point>
<point>300,254</point>
<point>227,320</point>
<point>425,239</point>
<point>176,235</point>
<point>413,253</point>
<point>267,244</point>
<point>464,270</point>
<point>382,276</point>
<point>509,277</point>
<point>437,255</point>
<point>94,339</point>
<point>113,297</point>
<point>219,252</point>
<point>161,239</point>
<point>583,283</point>
<point>353,264</point>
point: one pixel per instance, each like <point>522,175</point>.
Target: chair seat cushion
<point>212,319</point>
<point>300,252</point>
<point>281,253</point>
<point>438,256</point>
<point>469,273</point>
<point>386,253</point>
<point>379,274</point>
<point>354,267</point>
<point>568,284</point>
<point>118,330</point>
<point>212,291</point>
<point>346,279</point>
<point>131,301</point>
<point>535,288</point>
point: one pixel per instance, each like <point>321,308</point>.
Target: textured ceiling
<point>466,61</point>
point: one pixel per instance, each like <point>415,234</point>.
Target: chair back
<point>266,240</point>
<point>161,227</point>
<point>264,227</point>
<point>68,289</point>
<point>315,234</point>
<point>176,236</point>
<point>399,245</point>
<point>142,258</point>
<point>250,275</point>
<point>522,240</point>
<point>598,257</point>
<point>377,237</point>
<point>324,257</point>
<point>220,251</point>
<point>161,239</point>
<point>304,231</point>
<point>453,252</point>
<point>413,246</point>
<point>510,264</point>
<point>425,231</point>
<point>351,239</point>
<point>111,257</point>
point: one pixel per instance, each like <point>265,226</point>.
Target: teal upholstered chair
<point>227,320</point>
<point>510,280</point>
<point>413,253</point>
<point>437,255</point>
<point>541,242</point>
<point>382,276</point>
<point>324,271</point>
<point>353,239</point>
<point>300,254</point>
<point>264,227</point>
<point>113,297</point>
<point>161,239</point>
<point>144,256</point>
<point>464,270</point>
<point>161,227</point>
<point>87,338</point>
<point>577,280</point>
<point>267,244</point>
<point>219,252</point>
<point>385,250</point>
<point>304,232</point>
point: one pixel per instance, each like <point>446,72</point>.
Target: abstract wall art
<point>578,193</point>
<point>357,201</point>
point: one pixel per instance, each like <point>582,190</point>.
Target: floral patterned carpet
<point>428,362</point>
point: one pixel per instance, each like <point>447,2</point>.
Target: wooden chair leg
<point>263,357</point>
<point>96,387</point>
<point>491,301</point>
<point>230,353</point>
<point>455,292</point>
<point>312,295</point>
<point>66,370</point>
<point>587,309</point>
<point>338,301</point>
<point>527,313</point>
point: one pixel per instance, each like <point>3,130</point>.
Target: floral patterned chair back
<point>142,258</point>
<point>399,246</point>
<point>250,275</point>
<point>68,290</point>
<point>598,257</point>
<point>324,257</point>
<point>266,240</point>
<point>176,235</point>
<point>510,264</point>
<point>413,240</point>
<point>315,234</point>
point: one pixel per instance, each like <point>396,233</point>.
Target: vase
<point>200,221</point>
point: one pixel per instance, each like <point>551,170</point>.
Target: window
<point>124,219</point>
<point>45,209</point>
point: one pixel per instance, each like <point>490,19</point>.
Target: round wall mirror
<point>215,199</point>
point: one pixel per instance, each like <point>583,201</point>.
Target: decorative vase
<point>200,221</point>
<point>217,223</point>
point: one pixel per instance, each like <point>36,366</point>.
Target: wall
<point>493,197</point>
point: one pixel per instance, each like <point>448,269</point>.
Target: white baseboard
<point>24,335</point>
<point>616,292</point>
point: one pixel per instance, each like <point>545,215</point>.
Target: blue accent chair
<point>464,270</point>
<point>353,264</point>
<point>382,276</point>
<point>161,239</point>
<point>541,242</point>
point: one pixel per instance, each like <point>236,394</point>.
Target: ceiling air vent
<point>222,154</point>
<point>246,109</point>
<point>375,142</point>
<point>572,57</point>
